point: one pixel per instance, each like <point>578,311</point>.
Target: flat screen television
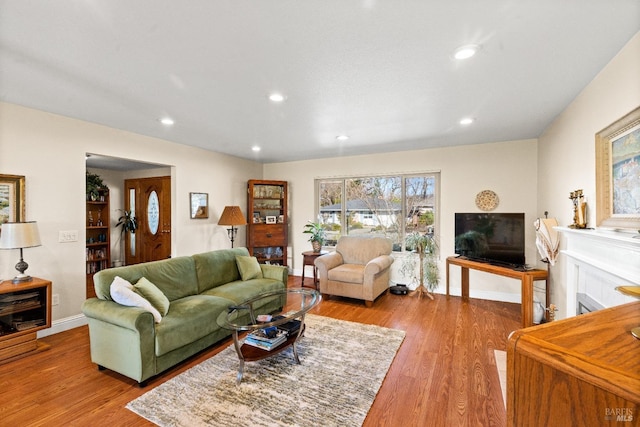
<point>491,237</point>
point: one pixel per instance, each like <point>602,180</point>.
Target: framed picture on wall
<point>11,199</point>
<point>618,173</point>
<point>199,205</point>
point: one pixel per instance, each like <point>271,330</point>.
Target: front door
<point>150,200</point>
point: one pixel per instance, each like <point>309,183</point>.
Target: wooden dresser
<point>581,371</point>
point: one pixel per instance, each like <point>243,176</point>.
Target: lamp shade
<point>17,235</point>
<point>232,215</point>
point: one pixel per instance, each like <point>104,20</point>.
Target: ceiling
<point>381,72</point>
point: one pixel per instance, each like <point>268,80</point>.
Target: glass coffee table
<point>247,317</point>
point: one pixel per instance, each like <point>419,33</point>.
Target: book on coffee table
<point>266,341</point>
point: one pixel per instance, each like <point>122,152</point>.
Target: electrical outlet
<point>55,299</point>
<point>68,236</point>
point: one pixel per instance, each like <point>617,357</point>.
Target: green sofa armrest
<point>134,318</point>
<point>276,272</point>
<point>122,338</point>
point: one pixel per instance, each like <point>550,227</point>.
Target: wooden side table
<point>24,309</point>
<point>308,258</point>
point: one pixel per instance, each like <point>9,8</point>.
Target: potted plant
<point>94,186</point>
<point>426,246</point>
<point>317,235</point>
<point>128,224</point>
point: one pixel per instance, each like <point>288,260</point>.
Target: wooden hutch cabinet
<point>98,256</point>
<point>25,308</point>
<point>267,221</point>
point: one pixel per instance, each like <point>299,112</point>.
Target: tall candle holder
<point>579,209</point>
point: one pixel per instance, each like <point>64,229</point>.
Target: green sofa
<point>199,288</point>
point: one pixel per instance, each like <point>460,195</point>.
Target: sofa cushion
<point>350,273</point>
<point>216,268</point>
<point>175,277</point>
<point>241,291</point>
<point>152,294</point>
<point>189,319</point>
<point>122,292</point>
<point>249,267</point>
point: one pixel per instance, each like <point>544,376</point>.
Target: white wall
<point>566,154</point>
<point>508,168</point>
<point>49,150</point>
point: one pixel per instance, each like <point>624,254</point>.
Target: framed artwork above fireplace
<point>618,173</point>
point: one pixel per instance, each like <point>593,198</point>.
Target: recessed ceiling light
<point>276,97</point>
<point>466,121</point>
<point>167,121</point>
<point>467,51</point>
<point>255,148</point>
<point>342,137</point>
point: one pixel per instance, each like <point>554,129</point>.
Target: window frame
<point>436,175</point>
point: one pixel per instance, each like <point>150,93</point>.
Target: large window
<point>389,206</point>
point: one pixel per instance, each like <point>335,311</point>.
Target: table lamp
<point>232,215</point>
<point>20,235</point>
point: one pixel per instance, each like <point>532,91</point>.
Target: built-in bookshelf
<point>98,246</point>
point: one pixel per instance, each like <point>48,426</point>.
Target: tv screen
<point>491,237</point>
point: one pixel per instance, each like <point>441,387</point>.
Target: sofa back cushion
<point>175,277</point>
<point>216,268</point>
<point>361,250</point>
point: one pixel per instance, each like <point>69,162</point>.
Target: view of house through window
<point>387,206</point>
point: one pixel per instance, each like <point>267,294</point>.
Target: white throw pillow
<point>122,293</point>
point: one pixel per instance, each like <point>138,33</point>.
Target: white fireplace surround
<point>596,262</point>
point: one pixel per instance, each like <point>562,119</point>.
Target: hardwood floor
<point>443,375</point>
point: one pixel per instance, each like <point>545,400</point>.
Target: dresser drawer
<point>268,235</point>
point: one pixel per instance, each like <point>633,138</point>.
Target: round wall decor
<point>487,200</point>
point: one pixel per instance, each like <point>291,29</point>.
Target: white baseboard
<point>62,325</point>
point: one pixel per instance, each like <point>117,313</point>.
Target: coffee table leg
<point>295,353</point>
<point>300,333</point>
<point>240,372</point>
<point>236,344</point>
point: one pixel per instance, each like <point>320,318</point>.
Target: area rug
<point>501,364</point>
<point>342,368</point>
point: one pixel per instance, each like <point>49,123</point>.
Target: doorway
<point>149,200</point>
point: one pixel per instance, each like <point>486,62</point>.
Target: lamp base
<point>21,278</point>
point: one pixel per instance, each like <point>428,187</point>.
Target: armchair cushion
<point>350,273</point>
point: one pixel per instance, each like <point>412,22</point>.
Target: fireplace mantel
<point>598,261</point>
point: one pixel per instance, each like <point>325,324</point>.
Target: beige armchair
<point>359,268</point>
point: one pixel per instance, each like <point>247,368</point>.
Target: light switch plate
<point>68,236</point>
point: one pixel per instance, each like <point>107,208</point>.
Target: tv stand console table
<point>526,277</point>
